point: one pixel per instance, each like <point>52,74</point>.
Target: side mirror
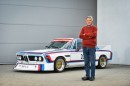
<point>46,46</point>
<point>78,49</point>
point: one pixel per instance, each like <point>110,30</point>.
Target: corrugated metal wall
<point>114,28</point>
<point>31,24</point>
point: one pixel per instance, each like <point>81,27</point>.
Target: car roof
<point>67,39</point>
<point>63,39</point>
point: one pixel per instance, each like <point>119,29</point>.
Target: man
<point>88,35</point>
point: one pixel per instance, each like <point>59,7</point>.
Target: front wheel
<point>102,63</point>
<point>59,65</point>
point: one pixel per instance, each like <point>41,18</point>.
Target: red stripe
<point>39,67</point>
<point>49,58</point>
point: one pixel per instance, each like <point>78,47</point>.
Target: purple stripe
<point>75,61</point>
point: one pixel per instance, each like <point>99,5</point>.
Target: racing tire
<point>102,62</point>
<point>59,65</point>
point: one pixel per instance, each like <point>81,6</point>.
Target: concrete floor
<point>113,75</point>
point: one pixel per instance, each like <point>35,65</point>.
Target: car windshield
<point>57,44</point>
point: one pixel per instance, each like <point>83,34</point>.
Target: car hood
<point>41,51</point>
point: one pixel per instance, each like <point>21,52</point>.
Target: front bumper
<point>34,67</point>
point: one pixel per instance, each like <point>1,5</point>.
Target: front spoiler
<point>34,67</point>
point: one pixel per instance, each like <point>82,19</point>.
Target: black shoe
<point>85,78</point>
<point>92,79</point>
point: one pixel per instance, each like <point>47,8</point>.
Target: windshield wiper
<point>46,46</point>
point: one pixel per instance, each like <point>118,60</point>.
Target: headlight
<point>35,58</point>
<point>19,57</point>
<point>40,58</point>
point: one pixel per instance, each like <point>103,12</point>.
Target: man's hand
<point>84,34</point>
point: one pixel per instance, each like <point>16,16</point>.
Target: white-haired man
<point>89,36</point>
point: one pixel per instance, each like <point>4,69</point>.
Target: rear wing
<point>103,47</point>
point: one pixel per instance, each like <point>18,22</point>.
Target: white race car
<point>61,53</point>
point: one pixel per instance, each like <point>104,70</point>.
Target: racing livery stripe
<point>41,67</point>
<point>33,52</point>
<point>77,61</point>
<point>50,52</point>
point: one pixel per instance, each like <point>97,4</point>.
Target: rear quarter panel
<point>108,54</point>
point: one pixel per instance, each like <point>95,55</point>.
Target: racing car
<point>61,53</point>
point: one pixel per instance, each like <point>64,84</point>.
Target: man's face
<point>89,21</point>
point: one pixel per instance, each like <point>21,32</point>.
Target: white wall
<point>113,20</point>
<point>30,24</point>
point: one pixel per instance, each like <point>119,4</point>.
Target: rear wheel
<point>102,63</point>
<point>59,65</point>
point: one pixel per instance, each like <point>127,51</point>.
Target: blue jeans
<point>89,59</point>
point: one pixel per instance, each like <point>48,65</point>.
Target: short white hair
<point>90,17</point>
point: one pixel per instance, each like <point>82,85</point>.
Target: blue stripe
<point>42,67</point>
<point>44,54</point>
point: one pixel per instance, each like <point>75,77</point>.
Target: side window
<point>68,45</point>
<point>79,44</point>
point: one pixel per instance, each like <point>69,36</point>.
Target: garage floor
<point>113,75</point>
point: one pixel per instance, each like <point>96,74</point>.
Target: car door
<point>77,54</point>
